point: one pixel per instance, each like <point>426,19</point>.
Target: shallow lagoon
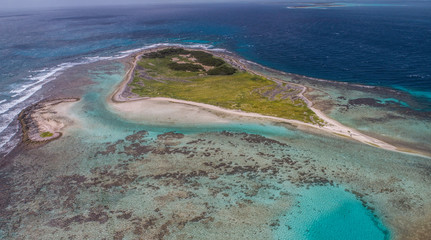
<point>112,177</point>
<point>329,213</point>
<point>386,114</point>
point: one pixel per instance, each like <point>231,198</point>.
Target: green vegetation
<point>207,59</point>
<point>221,86</point>
<point>193,61</point>
<point>202,57</point>
<point>166,52</point>
<point>222,70</point>
<point>159,68</point>
<point>46,134</point>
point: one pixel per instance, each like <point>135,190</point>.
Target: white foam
<point>5,119</point>
<point>46,75</point>
<point>6,142</point>
<point>24,92</point>
<point>27,94</point>
<point>204,46</point>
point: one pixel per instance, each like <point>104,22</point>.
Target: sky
<point>28,4</point>
<point>32,4</point>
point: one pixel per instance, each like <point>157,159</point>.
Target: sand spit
<point>162,111</point>
<point>124,101</point>
<point>45,121</point>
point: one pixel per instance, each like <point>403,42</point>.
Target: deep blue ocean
<point>384,45</point>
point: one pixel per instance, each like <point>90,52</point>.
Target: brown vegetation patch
<point>170,136</point>
<point>96,214</point>
<point>254,138</point>
<point>137,136</point>
<point>110,149</point>
<point>366,101</point>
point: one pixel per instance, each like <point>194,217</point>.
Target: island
<point>188,84</point>
<point>220,82</point>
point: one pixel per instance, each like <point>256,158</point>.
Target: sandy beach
<point>46,121</point>
<point>174,111</point>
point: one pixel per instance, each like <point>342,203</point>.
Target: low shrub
<point>185,67</point>
<point>222,70</point>
<point>207,59</point>
<point>167,52</point>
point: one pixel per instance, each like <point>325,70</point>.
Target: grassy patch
<point>240,90</point>
<point>166,52</point>
<point>206,58</point>
<point>46,134</point>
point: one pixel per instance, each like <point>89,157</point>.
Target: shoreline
<point>331,126</point>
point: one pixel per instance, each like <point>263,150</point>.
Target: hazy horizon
<point>47,4</point>
<point>10,5</point>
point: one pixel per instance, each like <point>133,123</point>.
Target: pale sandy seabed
<point>164,172</point>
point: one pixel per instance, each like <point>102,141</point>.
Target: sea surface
<point>387,45</point>
<point>96,182</point>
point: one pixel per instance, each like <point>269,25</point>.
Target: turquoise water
<point>321,212</point>
<point>99,119</point>
<point>393,117</point>
<point>109,176</point>
<point>329,213</point>
<point>366,43</point>
<point>389,100</point>
<point>317,211</point>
